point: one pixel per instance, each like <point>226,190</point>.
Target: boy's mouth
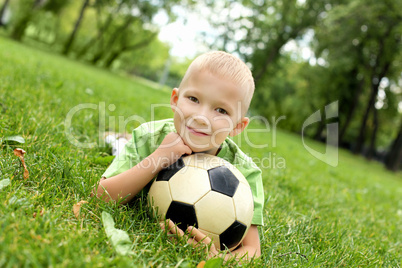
<point>197,132</point>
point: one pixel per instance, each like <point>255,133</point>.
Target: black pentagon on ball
<point>167,173</point>
<point>182,214</point>
<point>232,235</point>
<point>223,180</point>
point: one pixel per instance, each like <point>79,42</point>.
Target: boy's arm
<point>131,182</point>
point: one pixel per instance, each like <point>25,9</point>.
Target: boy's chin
<point>199,150</point>
<point>205,150</point>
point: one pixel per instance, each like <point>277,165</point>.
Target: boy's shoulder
<point>232,153</point>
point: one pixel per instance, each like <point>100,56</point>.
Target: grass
<point>315,215</point>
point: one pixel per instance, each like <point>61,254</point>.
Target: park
<point>330,200</point>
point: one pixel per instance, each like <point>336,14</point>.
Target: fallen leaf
<point>4,183</point>
<point>13,139</point>
<point>201,264</point>
<point>20,153</point>
<point>119,238</point>
<point>77,207</point>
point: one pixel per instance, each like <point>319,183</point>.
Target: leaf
<point>77,207</point>
<point>4,183</point>
<point>13,139</point>
<point>201,264</point>
<point>20,153</point>
<point>214,263</point>
<point>119,238</point>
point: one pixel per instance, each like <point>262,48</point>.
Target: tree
<point>27,10</point>
<point>394,158</point>
<point>126,46</point>
<point>121,26</point>
<point>2,12</point>
<point>102,27</point>
<point>257,31</point>
<point>70,40</point>
<point>361,38</point>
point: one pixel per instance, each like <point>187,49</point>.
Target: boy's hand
<point>199,239</point>
<point>172,148</point>
<point>194,237</point>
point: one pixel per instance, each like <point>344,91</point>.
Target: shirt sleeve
<point>128,157</point>
<point>254,178</point>
<point>145,139</point>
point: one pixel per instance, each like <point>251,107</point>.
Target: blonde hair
<point>225,66</point>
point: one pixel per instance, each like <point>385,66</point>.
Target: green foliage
<point>213,263</point>
<point>315,215</point>
<point>148,61</point>
<point>108,34</point>
<point>356,45</point>
<point>360,42</point>
<point>176,71</point>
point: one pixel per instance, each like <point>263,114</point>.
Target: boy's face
<point>206,110</point>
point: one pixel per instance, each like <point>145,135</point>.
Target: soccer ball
<point>207,192</point>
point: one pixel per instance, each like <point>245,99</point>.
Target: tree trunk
<point>362,133</point>
<point>21,25</point>
<point>271,56</point>
<point>353,105</point>
<point>70,40</point>
<point>2,11</point>
<point>372,148</point>
<point>19,28</point>
<point>394,157</point>
<point>101,31</point>
<point>378,76</point>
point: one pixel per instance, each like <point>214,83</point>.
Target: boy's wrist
<point>152,163</point>
<point>162,158</point>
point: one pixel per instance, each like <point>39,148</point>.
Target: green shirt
<point>147,138</point>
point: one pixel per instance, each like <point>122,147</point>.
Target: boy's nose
<point>201,116</point>
<point>201,119</point>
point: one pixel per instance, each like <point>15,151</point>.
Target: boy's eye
<point>221,111</point>
<point>193,99</point>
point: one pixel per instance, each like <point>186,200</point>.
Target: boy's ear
<point>174,98</point>
<point>240,127</point>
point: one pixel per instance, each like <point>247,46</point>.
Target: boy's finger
<point>174,229</point>
<point>162,225</point>
<point>188,150</point>
<point>198,235</point>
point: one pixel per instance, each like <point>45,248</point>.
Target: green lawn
<point>315,215</point>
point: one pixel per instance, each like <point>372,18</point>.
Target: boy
<point>209,105</point>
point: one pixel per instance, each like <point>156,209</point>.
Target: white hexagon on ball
<point>189,189</point>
